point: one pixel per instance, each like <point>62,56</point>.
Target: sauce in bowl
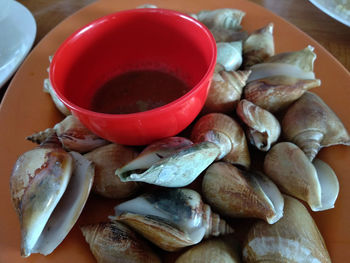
<point>138,91</point>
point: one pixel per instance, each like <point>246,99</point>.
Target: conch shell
<point>147,6</point>
<point>229,55</point>
<point>294,238</point>
<point>228,35</point>
<point>237,193</point>
<point>263,128</point>
<point>106,160</point>
<point>227,134</point>
<point>49,89</point>
<point>297,64</point>
<point>111,241</point>
<point>277,93</point>
<point>73,135</point>
<point>258,46</point>
<point>171,162</point>
<point>224,249</point>
<point>172,218</point>
<point>293,172</point>
<point>221,18</point>
<point>59,104</point>
<point>311,124</point>
<point>49,188</point>
<point>225,91</point>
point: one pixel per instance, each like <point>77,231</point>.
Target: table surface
<point>331,34</point>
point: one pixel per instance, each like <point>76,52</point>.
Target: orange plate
<point>27,109</point>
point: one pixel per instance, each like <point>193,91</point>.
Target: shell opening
<point>68,209</point>
<point>273,197</point>
<point>329,185</point>
<point>265,70</point>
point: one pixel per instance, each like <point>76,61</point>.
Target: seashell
<point>237,193</point>
<point>293,172</point>
<point>73,135</point>
<point>311,124</point>
<point>221,18</point>
<point>106,160</point>
<point>59,105</point>
<point>294,238</point>
<point>171,162</point>
<point>49,188</point>
<point>171,218</point>
<point>224,249</point>
<point>225,91</point>
<point>229,55</point>
<point>147,6</point>
<point>277,93</point>
<point>263,128</point>
<point>111,241</point>
<point>258,46</point>
<point>228,35</point>
<point>296,64</point>
<point>227,134</point>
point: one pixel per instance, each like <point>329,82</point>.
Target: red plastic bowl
<point>129,40</point>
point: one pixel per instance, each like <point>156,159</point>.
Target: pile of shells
<point>258,102</point>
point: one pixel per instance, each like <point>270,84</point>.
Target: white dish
<point>17,34</point>
<point>338,9</point>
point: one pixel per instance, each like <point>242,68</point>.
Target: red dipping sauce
<point>138,91</point>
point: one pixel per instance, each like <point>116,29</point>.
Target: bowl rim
<point>148,113</point>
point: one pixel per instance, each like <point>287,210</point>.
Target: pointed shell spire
<point>311,124</point>
<point>225,91</point>
<point>172,218</point>
<point>227,134</point>
<point>73,135</point>
<point>258,46</point>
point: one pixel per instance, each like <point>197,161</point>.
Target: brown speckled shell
<point>115,242</point>
<point>107,159</point>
